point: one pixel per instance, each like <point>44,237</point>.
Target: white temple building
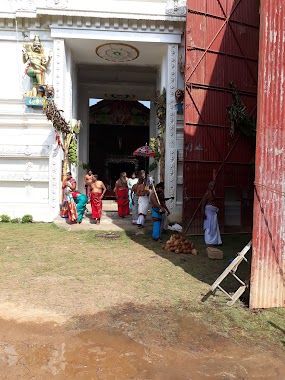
<point>114,49</point>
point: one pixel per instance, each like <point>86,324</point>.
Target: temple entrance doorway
<point>116,129</point>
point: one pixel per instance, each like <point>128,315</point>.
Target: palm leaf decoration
<point>238,116</point>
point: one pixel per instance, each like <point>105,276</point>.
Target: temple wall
<point>11,70</point>
<point>30,161</point>
<point>29,168</point>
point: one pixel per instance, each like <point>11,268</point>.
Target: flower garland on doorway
<point>238,116</point>
<point>66,132</point>
<point>158,143</point>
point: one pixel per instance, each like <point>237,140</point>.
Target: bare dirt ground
<point>101,349</point>
<point>76,305</point>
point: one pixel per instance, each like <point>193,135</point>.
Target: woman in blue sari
<point>81,201</point>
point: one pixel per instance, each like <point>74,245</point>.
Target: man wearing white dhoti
<point>211,226</point>
<point>143,202</point>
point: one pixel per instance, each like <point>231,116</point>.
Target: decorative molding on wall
<point>161,26</point>
<point>54,176</point>
<point>176,7</point>
<point>53,3</point>
<point>58,74</point>
<point>34,151</point>
<point>90,25</point>
<point>174,17</point>
<point>97,29</point>
<point>40,18</point>
<point>23,120</point>
<point>26,176</point>
<point>29,191</point>
<point>171,115</point>
<point>117,52</point>
<point>12,101</point>
<point>32,5</point>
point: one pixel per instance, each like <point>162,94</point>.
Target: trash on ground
<point>178,244</point>
<point>175,227</point>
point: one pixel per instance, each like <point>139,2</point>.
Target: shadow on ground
<point>201,267</point>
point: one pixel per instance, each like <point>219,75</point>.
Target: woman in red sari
<point>121,190</point>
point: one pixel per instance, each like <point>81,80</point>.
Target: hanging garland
<point>72,151</point>
<point>63,129</point>
<point>238,116</point>
<point>53,113</point>
<point>158,143</point>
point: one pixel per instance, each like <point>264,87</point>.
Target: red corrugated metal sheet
<point>221,47</point>
<point>268,263</point>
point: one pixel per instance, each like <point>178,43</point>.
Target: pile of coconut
<point>178,244</point>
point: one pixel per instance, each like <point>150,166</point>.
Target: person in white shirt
<point>131,182</point>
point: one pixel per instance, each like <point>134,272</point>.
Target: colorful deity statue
<point>37,64</point>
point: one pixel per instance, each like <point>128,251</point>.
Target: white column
<point>55,161</point>
<point>59,72</point>
<point>54,178</point>
<point>170,130</point>
<point>83,115</point>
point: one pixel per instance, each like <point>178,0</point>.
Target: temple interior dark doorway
<point>117,128</point>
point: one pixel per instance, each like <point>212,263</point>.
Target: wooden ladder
<point>231,269</point>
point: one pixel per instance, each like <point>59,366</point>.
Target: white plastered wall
<point>83,115</point>
<point>11,70</point>
<point>29,157</point>
<point>30,160</point>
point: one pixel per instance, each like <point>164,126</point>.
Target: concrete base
<point>110,221</point>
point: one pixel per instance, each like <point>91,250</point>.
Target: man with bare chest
<point>98,190</point>
<point>209,208</point>
<point>87,183</point>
